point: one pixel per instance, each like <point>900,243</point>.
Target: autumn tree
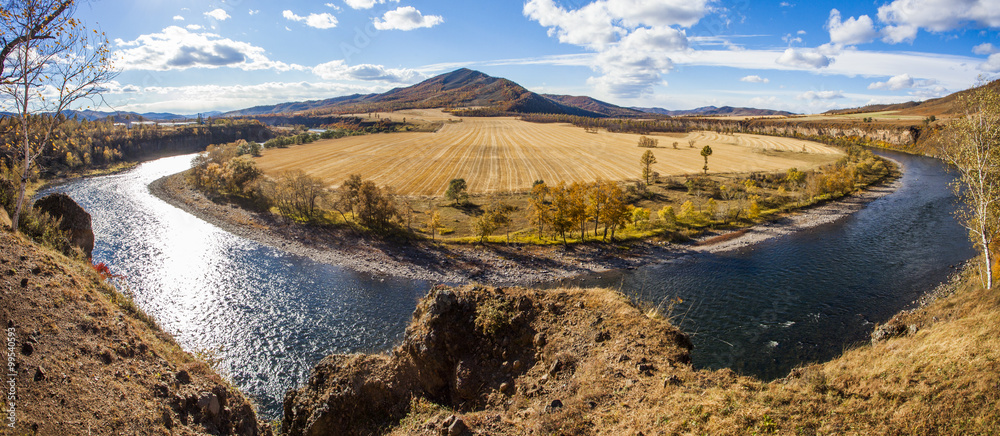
<point>646,161</point>
<point>973,147</point>
<point>598,198</point>
<point>615,213</point>
<point>457,191</point>
<point>647,142</point>
<point>349,192</point>
<point>540,212</point>
<point>705,153</point>
<point>433,222</point>
<point>298,194</point>
<point>577,212</point>
<point>561,219</point>
<point>48,63</point>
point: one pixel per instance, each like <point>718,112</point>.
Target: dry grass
<point>506,154</point>
<point>942,379</point>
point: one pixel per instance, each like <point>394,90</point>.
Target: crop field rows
<point>506,154</point>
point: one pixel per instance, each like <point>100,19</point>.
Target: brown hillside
<point>594,105</point>
<point>518,362</point>
<point>88,362</point>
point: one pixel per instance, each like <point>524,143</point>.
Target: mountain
<point>463,88</point>
<point>948,105</point>
<point>594,105</point>
<point>716,111</point>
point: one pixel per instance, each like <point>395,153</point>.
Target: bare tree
<point>973,147</point>
<point>48,63</point>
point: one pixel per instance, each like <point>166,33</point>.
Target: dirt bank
<point>86,361</point>
<point>495,264</point>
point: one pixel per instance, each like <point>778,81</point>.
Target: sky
<point>186,56</point>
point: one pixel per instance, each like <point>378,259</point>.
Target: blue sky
<point>188,56</point>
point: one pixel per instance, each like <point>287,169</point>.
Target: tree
<point>973,147</point>
<point>691,143</point>
<point>433,222</point>
<point>562,204</point>
<point>705,153</point>
<point>646,142</point>
<point>598,198</point>
<point>615,213</point>
<point>457,191</point>
<point>48,63</point>
<point>647,160</point>
<point>577,212</point>
<point>540,212</point>
<point>349,192</point>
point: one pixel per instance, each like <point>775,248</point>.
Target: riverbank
<point>493,264</point>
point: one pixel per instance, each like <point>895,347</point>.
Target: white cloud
<point>339,70</point>
<point>898,34</point>
<point>406,18</point>
<point>906,16</point>
<point>985,49</point>
<point>362,4</point>
<point>803,58</point>
<point>332,6</point>
<point>754,79</point>
<point>178,18</point>
<point>218,14</point>
<point>633,39</point>
<point>895,83</point>
<point>254,11</point>
<point>319,21</point>
<point>854,31</point>
<point>193,27</point>
<point>176,48</point>
<point>821,95</point>
<point>992,64</point>
<point>789,39</point>
<point>787,5</point>
<point>801,32</point>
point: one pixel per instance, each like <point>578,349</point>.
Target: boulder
<point>75,220</point>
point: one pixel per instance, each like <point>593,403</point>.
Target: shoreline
<point>496,265</point>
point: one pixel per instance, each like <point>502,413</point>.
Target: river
<point>267,316</point>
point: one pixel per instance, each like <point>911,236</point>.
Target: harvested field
<point>506,154</point>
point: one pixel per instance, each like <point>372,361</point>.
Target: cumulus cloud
<point>804,58</point>
<point>319,21</point>
<point>992,64</point>
<point>178,18</point>
<point>754,79</point>
<point>193,27</point>
<point>218,14</point>
<point>406,18</point>
<point>941,15</point>
<point>362,4</point>
<point>853,31</point>
<point>176,48</point>
<point>821,95</point>
<point>896,83</point>
<point>633,39</point>
<point>339,70</point>
<point>985,49</point>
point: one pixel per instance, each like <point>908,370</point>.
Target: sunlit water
<point>270,316</point>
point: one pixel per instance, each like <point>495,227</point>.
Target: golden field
<point>506,154</point>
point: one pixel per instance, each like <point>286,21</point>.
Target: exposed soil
<point>85,361</point>
<point>493,264</point>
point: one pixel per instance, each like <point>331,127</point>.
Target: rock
<point>24,282</point>
<point>183,377</point>
<point>27,348</point>
<point>555,404</point>
<point>556,366</point>
<point>75,220</point>
<point>161,390</point>
<point>889,330</point>
<point>209,402</point>
<point>504,387</point>
<point>457,427</point>
<point>672,380</point>
<point>39,374</point>
<point>517,365</point>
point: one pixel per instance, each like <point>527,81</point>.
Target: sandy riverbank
<point>498,264</point>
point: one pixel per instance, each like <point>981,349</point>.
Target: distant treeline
<point>81,144</point>
<point>617,125</point>
<point>329,122</point>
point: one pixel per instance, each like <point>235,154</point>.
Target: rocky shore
<point>496,265</point>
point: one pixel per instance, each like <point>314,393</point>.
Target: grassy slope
<point>96,364</point>
<point>942,379</point>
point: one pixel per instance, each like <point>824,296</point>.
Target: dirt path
<point>497,265</point>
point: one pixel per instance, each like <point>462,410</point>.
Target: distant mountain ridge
<point>122,116</point>
<point>948,105</point>
<point>716,111</point>
<point>462,88</point>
